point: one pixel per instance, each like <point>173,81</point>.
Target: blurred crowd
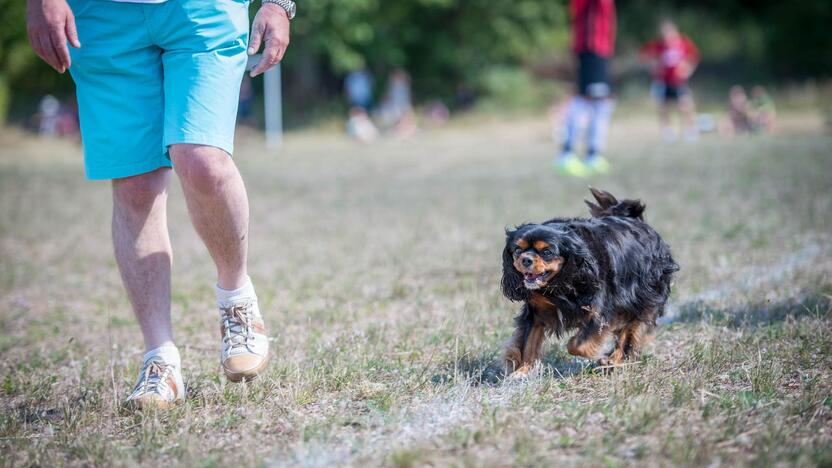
<point>394,115</point>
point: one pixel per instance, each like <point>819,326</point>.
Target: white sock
<point>169,354</point>
<point>226,298</point>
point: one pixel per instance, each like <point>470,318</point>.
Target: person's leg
<point>573,121</point>
<point>143,252</point>
<point>203,66</point>
<point>668,134</point>
<point>218,206</point>
<point>599,126</point>
<point>687,112</point>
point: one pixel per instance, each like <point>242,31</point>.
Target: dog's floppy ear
<point>604,198</point>
<point>512,281</point>
<point>580,266</point>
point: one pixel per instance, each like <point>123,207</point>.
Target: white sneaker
<point>692,134</point>
<point>669,135</point>
<point>159,386</point>
<point>245,346</point>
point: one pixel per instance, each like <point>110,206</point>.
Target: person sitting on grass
<point>739,115</point>
<point>593,42</point>
<point>762,110</point>
<point>674,58</point>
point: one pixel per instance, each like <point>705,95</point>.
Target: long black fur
<point>615,263</point>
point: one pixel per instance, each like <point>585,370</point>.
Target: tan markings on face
<point>554,265</point>
<point>522,243</point>
<point>541,245</point>
<point>539,265</point>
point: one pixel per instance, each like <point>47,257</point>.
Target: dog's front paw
<point>521,373</point>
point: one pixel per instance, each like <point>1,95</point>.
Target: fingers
<point>272,54</point>
<point>50,43</point>
<point>254,40</point>
<point>58,39</point>
<point>271,28</point>
<point>71,31</point>
<point>47,52</point>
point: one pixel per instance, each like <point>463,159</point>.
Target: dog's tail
<point>608,205</point>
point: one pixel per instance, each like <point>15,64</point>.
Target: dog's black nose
<point>527,262</point>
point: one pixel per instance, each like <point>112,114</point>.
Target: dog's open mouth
<point>535,281</point>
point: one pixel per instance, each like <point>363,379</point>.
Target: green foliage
<point>440,42</point>
<point>508,88</point>
<point>445,44</point>
<point>21,72</point>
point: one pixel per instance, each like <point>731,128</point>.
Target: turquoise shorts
<point>151,75</point>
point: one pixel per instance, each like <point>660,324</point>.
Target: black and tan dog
<point>607,276</point>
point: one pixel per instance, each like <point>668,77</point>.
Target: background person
<point>674,58</point>
<point>358,86</point>
<point>762,109</point>
<point>396,110</point>
<point>157,88</point>
<point>593,42</point>
<point>739,116</point>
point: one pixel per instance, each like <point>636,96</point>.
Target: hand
<point>271,26</point>
<point>50,23</point>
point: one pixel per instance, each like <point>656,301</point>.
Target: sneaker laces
<point>154,378</point>
<point>237,324</point>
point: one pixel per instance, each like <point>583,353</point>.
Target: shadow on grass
<point>487,368</point>
<point>752,314</point>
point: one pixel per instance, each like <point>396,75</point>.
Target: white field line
<point>754,278</point>
<point>413,424</point>
<point>425,419</point>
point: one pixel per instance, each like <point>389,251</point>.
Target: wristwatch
<point>287,5</point>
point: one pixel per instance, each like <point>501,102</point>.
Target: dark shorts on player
<point>666,93</point>
<point>593,75</point>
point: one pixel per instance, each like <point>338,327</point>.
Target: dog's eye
<point>517,250</point>
<point>546,252</point>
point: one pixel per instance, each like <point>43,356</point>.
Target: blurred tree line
<point>480,45</point>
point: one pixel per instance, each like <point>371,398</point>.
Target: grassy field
<point>378,270</point>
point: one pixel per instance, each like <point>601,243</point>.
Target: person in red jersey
<point>673,57</point>
<point>593,42</point>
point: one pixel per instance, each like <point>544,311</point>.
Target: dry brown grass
<point>378,270</point>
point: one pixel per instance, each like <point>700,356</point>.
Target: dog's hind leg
<point>591,341</point>
<point>639,334</point>
<point>630,340</point>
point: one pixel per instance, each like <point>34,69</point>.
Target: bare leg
<point>687,110</point>
<point>143,252</point>
<point>218,205</point>
<point>664,121</point>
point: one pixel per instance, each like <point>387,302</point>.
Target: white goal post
<point>272,103</point>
